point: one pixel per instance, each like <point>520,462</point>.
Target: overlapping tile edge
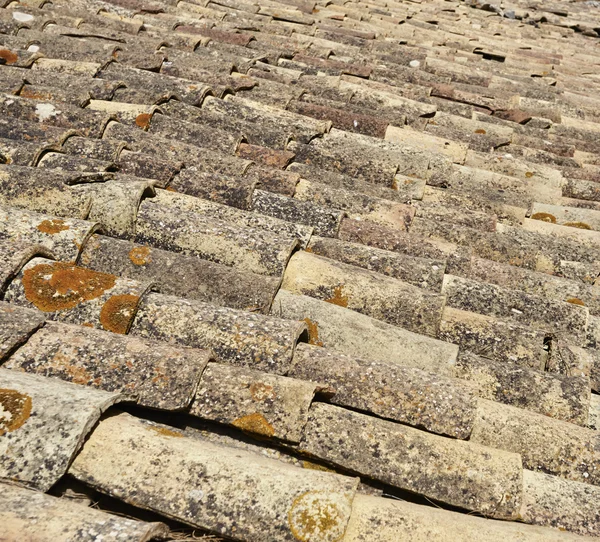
<point>348,249</point>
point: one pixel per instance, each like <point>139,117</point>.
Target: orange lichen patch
<point>53,226</point>
<point>25,93</point>
<point>313,332</point>
<point>529,174</point>
<point>580,225</point>
<point>15,409</point>
<point>170,189</point>
<point>544,217</point>
<point>165,432</point>
<point>59,286</point>
<point>314,515</point>
<point>576,301</point>
<point>254,423</point>
<point>117,313</point>
<point>338,297</point>
<point>140,255</point>
<point>143,120</point>
<point>480,131</point>
<point>8,56</point>
<point>261,392</point>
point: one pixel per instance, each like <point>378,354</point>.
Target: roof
<point>299,270</point>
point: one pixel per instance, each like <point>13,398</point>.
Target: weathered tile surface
<point>209,486</point>
<point>351,333</point>
<point>241,338</point>
<point>253,401</point>
<point>69,293</point>
<point>31,515</point>
<point>460,473</point>
<point>158,375</point>
<point>17,324</point>
<point>43,424</point>
<point>389,520</point>
<point>406,395</point>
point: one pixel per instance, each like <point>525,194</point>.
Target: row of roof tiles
<point>222,183</point>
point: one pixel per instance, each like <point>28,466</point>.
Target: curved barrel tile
<point>43,423</point>
<point>209,486</point>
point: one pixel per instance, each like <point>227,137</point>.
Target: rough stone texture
<point>375,235</point>
<point>180,275</point>
<point>566,319</point>
<point>31,515</point>
<point>43,423</point>
<point>434,208</point>
<point>41,191</point>
<point>456,472</point>
<point>394,520</point>
<point>369,159</point>
<point>245,339</point>
<point>158,375</point>
<point>156,86</point>
<point>558,396</point>
<point>381,297</point>
<point>247,249</point>
<point>123,112</point>
<point>74,163</point>
<point>562,504</point>
<point>274,180</point>
<point>62,237</point>
<point>553,287</point>
<point>139,164</point>
<point>21,153</point>
<point>422,272</point>
<point>233,191</point>
<point>13,256</point>
<point>585,219</point>
<point>255,402</point>
<point>499,340</point>
<point>323,184</point>
<point>534,250</point>
<point>193,134</point>
<point>356,206</point>
<point>323,220</point>
<point>168,149</point>
<point>351,333</point>
<point>209,486</point>
<point>17,324</point>
<point>87,122</point>
<point>594,417</point>
<point>115,204</point>
<point>479,136</point>
<point>344,119</point>
<point>68,293</point>
<point>501,189</point>
<point>261,124</point>
<point>545,444</point>
<point>565,233</point>
<point>33,131</point>
<point>250,220</point>
<point>389,390</point>
<point>98,149</point>
<point>457,152</point>
<point>467,208</point>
